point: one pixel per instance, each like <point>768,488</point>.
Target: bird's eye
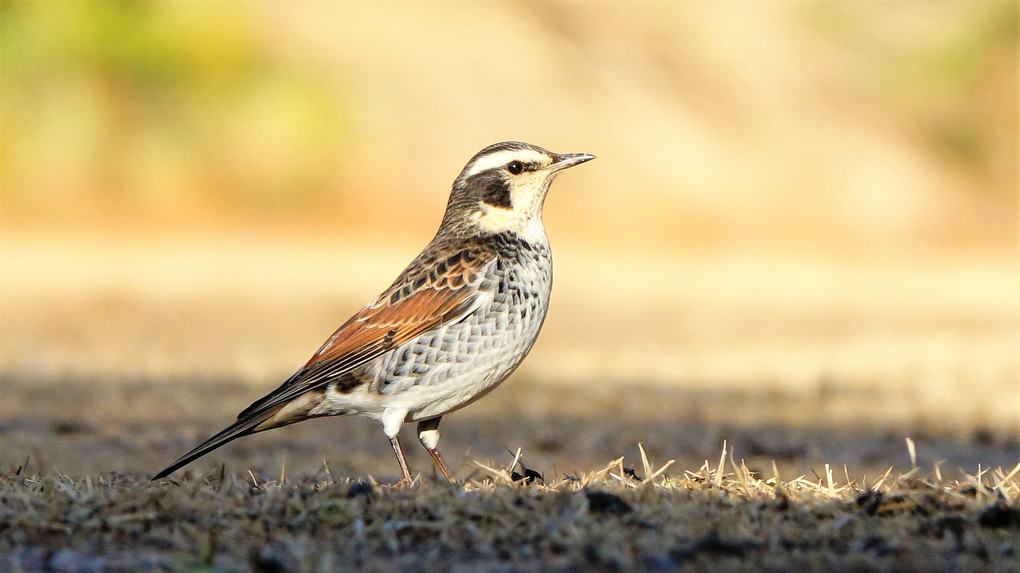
<point>515,167</point>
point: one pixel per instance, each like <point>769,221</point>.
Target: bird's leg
<point>400,459</point>
<point>393,419</point>
<point>428,435</point>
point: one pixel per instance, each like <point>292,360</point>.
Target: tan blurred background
<point>802,214</point>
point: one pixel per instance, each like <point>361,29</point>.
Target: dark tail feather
<point>238,429</point>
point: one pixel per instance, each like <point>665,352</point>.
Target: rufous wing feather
<point>395,317</point>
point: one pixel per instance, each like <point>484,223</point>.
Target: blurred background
<point>800,235</point>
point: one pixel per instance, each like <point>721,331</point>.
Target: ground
<point>778,497</point>
<point>817,429</point>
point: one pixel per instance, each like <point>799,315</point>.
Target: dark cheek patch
<point>495,190</point>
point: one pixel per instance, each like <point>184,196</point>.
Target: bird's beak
<point>569,160</point>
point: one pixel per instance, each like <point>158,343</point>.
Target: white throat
<point>500,220</point>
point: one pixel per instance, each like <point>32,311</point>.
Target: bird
<point>455,323</point>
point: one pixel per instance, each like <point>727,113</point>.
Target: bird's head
<point>502,189</point>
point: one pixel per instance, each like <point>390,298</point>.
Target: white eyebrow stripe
<point>501,158</point>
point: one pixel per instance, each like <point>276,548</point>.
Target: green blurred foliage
<point>842,120</point>
<point>949,95</point>
<point>158,106</point>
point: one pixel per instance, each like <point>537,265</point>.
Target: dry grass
<point>74,489</point>
<point>721,516</point>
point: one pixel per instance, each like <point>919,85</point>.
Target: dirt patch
<point>616,518</point>
<point>78,453</point>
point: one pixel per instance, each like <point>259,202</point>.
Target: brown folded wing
<point>397,316</point>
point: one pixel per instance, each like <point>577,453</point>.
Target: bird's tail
<point>251,424</point>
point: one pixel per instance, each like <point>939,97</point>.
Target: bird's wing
<point>413,305</point>
<point>424,297</point>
